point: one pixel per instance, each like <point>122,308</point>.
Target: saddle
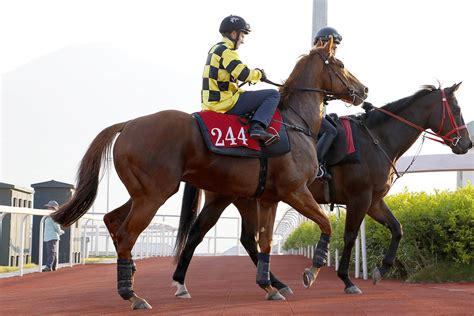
<point>227,134</point>
<point>344,147</point>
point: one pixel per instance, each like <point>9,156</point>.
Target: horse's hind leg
<point>215,205</point>
<point>305,204</point>
<point>144,206</point>
<point>114,219</point>
<point>248,209</point>
<point>382,214</point>
<point>356,210</point>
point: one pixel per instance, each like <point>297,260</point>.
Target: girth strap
<point>262,177</point>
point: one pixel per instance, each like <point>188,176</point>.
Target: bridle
<point>328,95</point>
<point>441,138</point>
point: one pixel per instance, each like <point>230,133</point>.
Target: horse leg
<point>266,217</point>
<point>356,210</point>
<point>305,204</point>
<point>115,218</point>
<point>382,214</point>
<point>145,204</point>
<point>215,205</point>
<point>247,209</point>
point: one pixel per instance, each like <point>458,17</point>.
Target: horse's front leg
<point>382,214</point>
<point>266,216</point>
<point>304,203</point>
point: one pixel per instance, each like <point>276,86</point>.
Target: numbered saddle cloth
<point>227,134</point>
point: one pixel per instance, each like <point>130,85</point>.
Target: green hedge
<point>437,228</point>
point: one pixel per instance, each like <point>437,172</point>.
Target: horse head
<point>339,82</point>
<point>320,71</point>
<point>447,121</point>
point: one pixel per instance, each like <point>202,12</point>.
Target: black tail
<point>88,177</point>
<point>189,210</point>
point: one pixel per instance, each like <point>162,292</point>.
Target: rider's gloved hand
<point>367,106</point>
<point>264,75</point>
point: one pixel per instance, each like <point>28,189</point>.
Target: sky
<point>71,68</point>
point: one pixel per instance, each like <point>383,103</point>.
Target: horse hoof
<point>184,294</point>
<point>308,278</point>
<point>181,290</point>
<point>352,290</point>
<point>141,305</point>
<point>376,276</point>
<point>275,296</point>
<point>286,291</point>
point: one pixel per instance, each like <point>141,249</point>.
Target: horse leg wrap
<point>321,251</point>
<point>125,271</point>
<point>263,270</point>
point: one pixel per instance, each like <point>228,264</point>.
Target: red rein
<point>446,109</point>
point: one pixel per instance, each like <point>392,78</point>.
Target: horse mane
<point>375,117</point>
<point>286,90</point>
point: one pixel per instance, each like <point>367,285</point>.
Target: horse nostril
<point>366,90</point>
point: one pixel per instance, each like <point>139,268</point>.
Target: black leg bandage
<point>263,270</point>
<point>125,271</point>
<point>321,251</point>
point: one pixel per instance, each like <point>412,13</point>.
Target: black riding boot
<point>322,148</point>
<point>257,132</point>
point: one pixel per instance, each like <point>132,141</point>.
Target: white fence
<point>156,241</point>
<point>291,219</point>
<point>156,231</point>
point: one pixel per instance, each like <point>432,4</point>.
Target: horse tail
<point>189,210</point>
<point>88,177</point>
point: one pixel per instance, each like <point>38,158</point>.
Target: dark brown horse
<point>154,153</point>
<point>360,186</point>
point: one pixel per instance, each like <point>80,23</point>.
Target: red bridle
<point>446,109</point>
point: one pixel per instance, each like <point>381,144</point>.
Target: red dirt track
<point>224,286</point>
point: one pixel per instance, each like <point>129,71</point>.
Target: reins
<point>446,109</point>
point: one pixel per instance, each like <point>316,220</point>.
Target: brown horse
<point>154,153</point>
<point>360,186</point>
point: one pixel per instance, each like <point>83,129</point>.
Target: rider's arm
<point>237,69</point>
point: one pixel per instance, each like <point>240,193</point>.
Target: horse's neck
<point>397,137</point>
<point>308,108</point>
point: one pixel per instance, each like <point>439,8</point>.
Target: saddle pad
<point>227,134</point>
<point>344,147</point>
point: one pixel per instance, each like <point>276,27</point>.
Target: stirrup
<point>321,172</point>
<point>274,139</point>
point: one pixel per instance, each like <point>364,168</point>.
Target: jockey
<point>328,132</point>
<point>220,91</point>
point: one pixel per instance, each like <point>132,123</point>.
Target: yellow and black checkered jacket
<point>223,70</point>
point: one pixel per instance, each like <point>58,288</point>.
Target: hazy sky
<point>71,68</point>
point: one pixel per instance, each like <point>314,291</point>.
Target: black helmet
<point>324,33</point>
<point>234,23</point>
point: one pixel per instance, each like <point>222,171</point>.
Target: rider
<point>223,69</point>
<point>327,132</point>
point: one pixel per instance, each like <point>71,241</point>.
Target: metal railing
<point>157,227</point>
<point>291,220</point>
<point>156,241</point>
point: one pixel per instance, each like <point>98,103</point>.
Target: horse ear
<point>454,87</point>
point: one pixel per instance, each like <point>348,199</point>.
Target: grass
<point>99,259</point>
<point>444,272</point>
<point>6,269</point>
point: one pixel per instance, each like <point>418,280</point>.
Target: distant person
<point>327,132</point>
<point>52,231</point>
<point>222,72</point>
